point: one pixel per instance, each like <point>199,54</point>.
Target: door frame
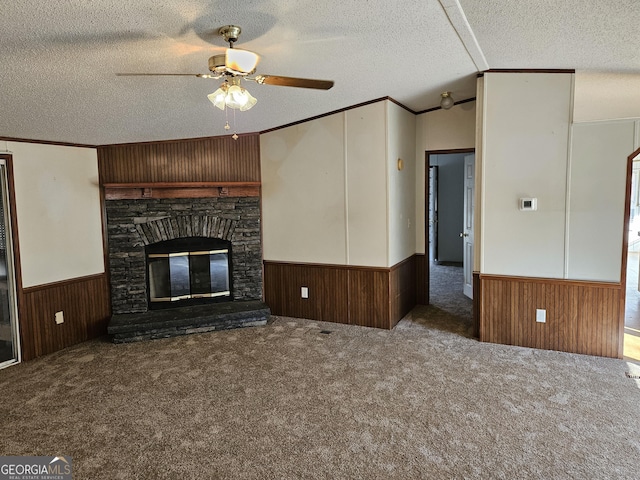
<point>13,260</point>
<point>424,293</point>
<point>625,247</point>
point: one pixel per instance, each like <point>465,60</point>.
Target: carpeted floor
<point>448,306</point>
<point>287,401</point>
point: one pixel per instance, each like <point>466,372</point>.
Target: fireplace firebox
<point>188,271</point>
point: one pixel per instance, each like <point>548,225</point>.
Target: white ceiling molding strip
<point>459,22</point>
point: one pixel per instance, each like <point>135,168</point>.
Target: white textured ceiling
<point>59,59</point>
<point>577,34</point>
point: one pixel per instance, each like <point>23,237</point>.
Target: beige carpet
<point>287,401</point>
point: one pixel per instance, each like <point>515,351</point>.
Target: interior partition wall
<point>9,338</point>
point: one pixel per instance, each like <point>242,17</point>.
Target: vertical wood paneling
<point>371,297</point>
<point>422,280</point>
<point>215,159</point>
<point>86,307</point>
<point>327,291</point>
<point>369,303</point>
<point>402,289</point>
<point>477,295</point>
<point>582,317</point>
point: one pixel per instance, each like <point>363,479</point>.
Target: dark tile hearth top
<point>187,316</point>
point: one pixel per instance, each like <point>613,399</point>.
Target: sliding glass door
<point>9,344</point>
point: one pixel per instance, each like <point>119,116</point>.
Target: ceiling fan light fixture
<point>241,61</point>
<point>232,96</point>
<point>218,98</point>
<point>446,101</point>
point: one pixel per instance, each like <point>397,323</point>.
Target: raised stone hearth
<point>156,324</point>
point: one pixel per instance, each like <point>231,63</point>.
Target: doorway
<point>631,348</point>
<point>449,204</point>
<point>9,339</point>
<point>449,230</point>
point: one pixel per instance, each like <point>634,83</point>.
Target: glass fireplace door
<point>188,275</point>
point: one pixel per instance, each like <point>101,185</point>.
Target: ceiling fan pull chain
<point>226,118</point>
<point>235,130</point>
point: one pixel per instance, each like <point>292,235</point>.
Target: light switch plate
<point>304,292</point>
<point>59,318</point>
<point>541,315</point>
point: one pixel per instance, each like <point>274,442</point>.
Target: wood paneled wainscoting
<point>85,305</point>
<point>581,317</point>
<point>367,296</point>
<point>422,279</point>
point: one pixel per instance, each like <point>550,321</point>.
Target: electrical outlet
<point>541,315</point>
<point>59,318</point>
<point>304,292</point>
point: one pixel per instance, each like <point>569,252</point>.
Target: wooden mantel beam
<point>137,191</point>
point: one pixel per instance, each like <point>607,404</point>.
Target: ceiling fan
<point>236,64</point>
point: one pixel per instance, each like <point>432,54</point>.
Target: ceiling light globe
<point>447,100</point>
<point>236,97</point>
<point>218,97</point>
<point>251,101</point>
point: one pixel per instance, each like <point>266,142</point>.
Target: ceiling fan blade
<point>294,82</point>
<point>199,75</point>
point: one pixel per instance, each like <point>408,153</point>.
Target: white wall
<point>439,130</point>
<point>402,194</point>
<point>447,129</point>
<point>303,192</point>
<point>526,126</point>
<point>366,193</point>
<point>58,211</point>
<point>328,187</point>
<point>597,194</point>
<point>577,231</point>
<point>606,96</point>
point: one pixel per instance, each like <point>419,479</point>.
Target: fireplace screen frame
<point>183,285</point>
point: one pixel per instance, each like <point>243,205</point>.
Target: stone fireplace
<point>184,265</point>
<point>136,225</point>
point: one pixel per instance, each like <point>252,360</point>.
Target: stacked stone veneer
<point>133,224</point>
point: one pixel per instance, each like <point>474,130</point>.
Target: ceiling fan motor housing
<point>217,64</point>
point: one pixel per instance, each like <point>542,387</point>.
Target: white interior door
<point>467,232</point>
<point>433,213</point>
